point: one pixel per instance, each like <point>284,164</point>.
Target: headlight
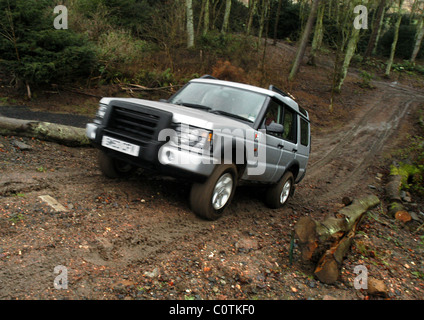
<point>101,112</point>
<point>192,138</point>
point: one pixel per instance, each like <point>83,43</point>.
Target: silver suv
<point>218,134</point>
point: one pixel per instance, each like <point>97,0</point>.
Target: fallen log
<point>314,236</point>
<point>67,135</point>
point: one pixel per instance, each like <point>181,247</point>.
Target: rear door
<point>304,145</point>
<point>289,138</point>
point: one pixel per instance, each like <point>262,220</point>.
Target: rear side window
<point>289,125</point>
<point>304,132</point>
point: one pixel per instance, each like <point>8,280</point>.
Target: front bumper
<point>164,158</point>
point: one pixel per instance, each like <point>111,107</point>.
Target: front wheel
<point>279,193</point>
<point>209,199</point>
<point>114,168</point>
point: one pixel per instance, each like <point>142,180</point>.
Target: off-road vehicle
<point>217,134</point>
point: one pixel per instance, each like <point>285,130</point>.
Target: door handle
<point>280,146</point>
<point>294,150</point>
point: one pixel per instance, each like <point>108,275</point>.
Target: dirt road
<point>137,238</point>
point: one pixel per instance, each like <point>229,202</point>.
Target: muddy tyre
<point>278,195</point>
<point>209,199</point>
<point>114,168</point>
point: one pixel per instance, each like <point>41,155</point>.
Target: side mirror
<point>275,128</point>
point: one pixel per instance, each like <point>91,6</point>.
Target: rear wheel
<point>114,168</point>
<point>279,193</point>
<point>209,199</point>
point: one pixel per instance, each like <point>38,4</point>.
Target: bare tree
<point>318,34</point>
<point>206,18</point>
<point>277,18</point>
<point>376,27</point>
<point>226,16</point>
<point>420,31</point>
<point>264,17</point>
<point>190,25</point>
<point>395,39</point>
<point>252,10</point>
<point>304,40</point>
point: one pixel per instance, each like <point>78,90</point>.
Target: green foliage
<point>412,170</point>
<point>289,23</point>
<point>408,66</point>
<point>120,54</point>
<point>366,79</point>
<point>228,46</point>
<point>134,15</point>
<point>34,51</point>
<point>405,43</point>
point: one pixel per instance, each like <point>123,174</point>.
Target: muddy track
<point>340,159</point>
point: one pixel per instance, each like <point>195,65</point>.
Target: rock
<point>415,216</point>
<point>152,274</point>
<point>22,146</point>
<point>328,297</point>
<point>122,286</point>
<point>376,287</point>
<point>347,201</point>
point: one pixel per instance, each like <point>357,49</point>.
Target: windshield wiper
<point>192,105</point>
<point>232,115</point>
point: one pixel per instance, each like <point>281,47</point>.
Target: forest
<point>168,42</point>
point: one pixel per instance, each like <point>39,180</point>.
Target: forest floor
<point>138,239</point>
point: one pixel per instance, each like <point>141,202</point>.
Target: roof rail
<point>275,89</point>
<point>207,76</point>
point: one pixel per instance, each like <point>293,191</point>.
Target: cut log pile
<point>327,242</point>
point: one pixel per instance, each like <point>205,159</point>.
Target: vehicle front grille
<point>137,124</point>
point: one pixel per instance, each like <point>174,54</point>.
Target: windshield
<point>219,99</point>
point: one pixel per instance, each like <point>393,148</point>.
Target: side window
<point>273,114</point>
<point>289,124</point>
<point>304,132</point>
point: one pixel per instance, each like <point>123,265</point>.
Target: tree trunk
<point>264,14</point>
<point>252,10</point>
<point>418,39</point>
<point>380,27</point>
<point>190,24</point>
<point>375,28</point>
<point>277,18</point>
<point>318,35</point>
<point>350,51</point>
<point>304,41</point>
<point>395,40</point>
<point>226,16</point>
<point>206,18</point>
<point>62,134</point>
